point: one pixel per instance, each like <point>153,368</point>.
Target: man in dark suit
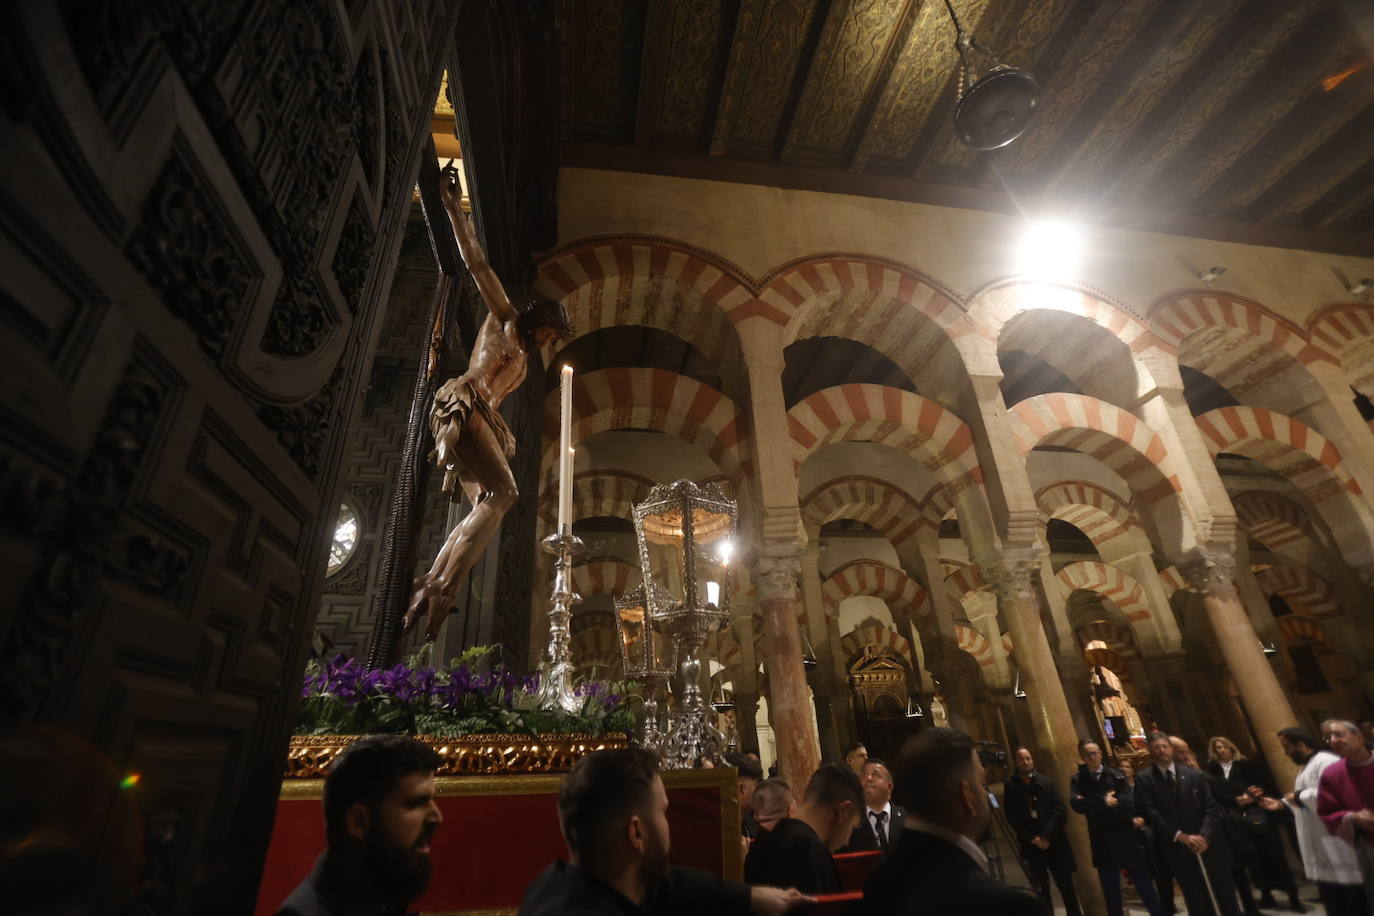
<point>881,824</point>
<point>1177,801</point>
<point>1102,795</point>
<point>938,868</point>
<point>1037,814</point>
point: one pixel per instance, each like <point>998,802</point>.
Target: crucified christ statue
<point>471,442</point>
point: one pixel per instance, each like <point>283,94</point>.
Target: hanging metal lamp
<point>994,109</point>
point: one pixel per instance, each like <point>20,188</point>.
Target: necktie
<point>880,828</point>
<point>1171,781</point>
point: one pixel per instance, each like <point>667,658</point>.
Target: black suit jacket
<point>792,855</point>
<point>563,889</point>
<point>1114,839</point>
<point>335,889</point>
<point>1190,807</point>
<point>863,839</point>
<point>1034,809</point>
<point>927,875</point>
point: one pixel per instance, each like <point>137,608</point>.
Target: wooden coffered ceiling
<point>1247,120</point>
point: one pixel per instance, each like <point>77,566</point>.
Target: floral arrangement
<point>466,697</point>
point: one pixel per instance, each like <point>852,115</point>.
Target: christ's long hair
<point>540,313</point>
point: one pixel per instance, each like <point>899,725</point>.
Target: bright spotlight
<point>1050,250</point>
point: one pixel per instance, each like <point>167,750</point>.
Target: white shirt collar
<point>949,836</point>
<point>1171,768</point>
<point>1226,767</point>
<point>886,809</point>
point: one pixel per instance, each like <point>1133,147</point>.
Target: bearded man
<point>379,818</point>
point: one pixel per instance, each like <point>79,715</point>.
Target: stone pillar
<point>1179,713</point>
<point>1051,721</point>
<point>1073,678</point>
<point>776,573</point>
<point>746,712</point>
<point>1212,574</point>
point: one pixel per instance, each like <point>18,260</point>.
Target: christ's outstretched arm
<point>488,284</point>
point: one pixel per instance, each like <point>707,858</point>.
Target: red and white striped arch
<point>853,643</point>
<point>1109,582</point>
<point>640,398</point>
<point>900,290</point>
<point>1347,330</point>
<point>1173,580</point>
<point>613,282</point>
<point>903,594</point>
<point>1181,315</point>
<point>975,644</point>
<point>1301,588</point>
<point>1116,437</point>
<point>963,580</point>
<point>905,421</point>
<point>605,576</point>
<point>597,494</point>
<point>647,259</point>
<point>1272,520</point>
<point>596,647</point>
<point>1338,327</point>
<point>879,503</point>
<point>994,306</point>
<point>1290,448</point>
<point>887,306</point>
<point>1298,630</point>
<point>1099,513</point>
<point>1116,635</point>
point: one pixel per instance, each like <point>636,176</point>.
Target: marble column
<point>746,713</point>
<point>1073,677</point>
<point>1177,713</point>
<point>1051,721</point>
<point>1212,574</point>
<point>776,575</point>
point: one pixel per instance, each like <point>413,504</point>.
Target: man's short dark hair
<point>833,783</point>
<point>877,762</point>
<point>602,791</point>
<point>853,747</point>
<point>1084,742</point>
<point>1157,736</point>
<point>929,769</point>
<point>748,767</point>
<point>367,772</point>
<point>1295,735</point>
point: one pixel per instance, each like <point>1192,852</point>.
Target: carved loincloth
<point>454,402</point>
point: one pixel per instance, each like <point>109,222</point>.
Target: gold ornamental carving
<point>471,755</point>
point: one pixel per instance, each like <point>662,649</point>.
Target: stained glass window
<point>345,539</point>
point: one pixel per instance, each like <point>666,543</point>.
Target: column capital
<point>1013,574</point>
<point>777,572</point>
<point>1210,571</point>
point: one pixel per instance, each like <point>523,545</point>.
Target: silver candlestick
<point>556,671</point>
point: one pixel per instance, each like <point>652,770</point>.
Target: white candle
<point>565,451</point>
<point>567,493</point>
<point>713,593</point>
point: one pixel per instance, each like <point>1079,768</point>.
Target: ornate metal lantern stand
<point>685,535</point>
<point>556,672</point>
<point>647,657</point>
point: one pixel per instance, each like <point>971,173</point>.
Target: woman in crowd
<point>1239,784</point>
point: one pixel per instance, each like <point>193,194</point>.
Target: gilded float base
<point>470,755</point>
